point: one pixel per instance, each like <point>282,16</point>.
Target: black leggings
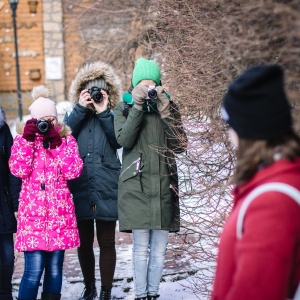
<point>105,231</point>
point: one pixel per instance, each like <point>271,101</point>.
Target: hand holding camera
<point>53,136</point>
<point>163,102</point>
<point>95,97</point>
<point>96,94</point>
<point>42,125</point>
<point>139,94</point>
<point>30,130</point>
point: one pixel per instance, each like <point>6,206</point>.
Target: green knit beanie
<point>145,69</point>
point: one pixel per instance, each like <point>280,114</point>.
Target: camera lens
<point>42,125</point>
<point>152,94</point>
<point>97,96</point>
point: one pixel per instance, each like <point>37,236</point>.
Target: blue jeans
<point>35,263</point>
<point>6,263</point>
<point>149,251</point>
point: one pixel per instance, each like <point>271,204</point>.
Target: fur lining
<point>2,117</point>
<point>93,71</point>
<point>63,132</point>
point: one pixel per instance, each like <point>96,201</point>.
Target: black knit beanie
<point>255,105</point>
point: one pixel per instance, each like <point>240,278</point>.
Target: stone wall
<point>54,48</point>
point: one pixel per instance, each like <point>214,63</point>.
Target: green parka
<point>148,183</point>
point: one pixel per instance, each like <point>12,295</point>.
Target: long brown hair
<point>253,154</point>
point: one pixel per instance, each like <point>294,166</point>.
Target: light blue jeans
<point>149,251</point>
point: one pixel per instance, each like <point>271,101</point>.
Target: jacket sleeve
<point>265,256</point>
<point>176,136</point>
<point>68,157</point>
<point>21,158</point>
<point>14,182</point>
<point>75,118</point>
<point>106,119</point>
<point>127,129</point>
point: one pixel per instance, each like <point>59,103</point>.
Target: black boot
<point>152,297</point>
<point>141,298</point>
<point>89,292</point>
<point>50,296</point>
<point>105,293</point>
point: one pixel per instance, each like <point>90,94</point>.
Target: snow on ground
<point>176,276</point>
<point>173,286</point>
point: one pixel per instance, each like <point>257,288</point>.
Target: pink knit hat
<point>42,106</point>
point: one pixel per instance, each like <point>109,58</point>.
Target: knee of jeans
<point>140,251</point>
<point>33,272</point>
<point>32,276</point>
<point>158,253</point>
<point>55,272</point>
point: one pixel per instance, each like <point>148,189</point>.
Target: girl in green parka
<point>148,126</point>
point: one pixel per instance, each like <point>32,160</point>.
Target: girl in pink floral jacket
<point>45,155</point>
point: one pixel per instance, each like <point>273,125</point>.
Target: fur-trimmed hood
<point>92,71</point>
<point>63,131</point>
<point>2,117</point>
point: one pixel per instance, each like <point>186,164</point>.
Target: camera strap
<point>126,110</point>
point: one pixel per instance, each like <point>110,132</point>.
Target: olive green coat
<point>148,183</point>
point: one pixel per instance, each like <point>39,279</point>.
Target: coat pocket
<point>132,170</point>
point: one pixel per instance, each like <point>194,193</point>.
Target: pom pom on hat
<point>99,83</point>
<point>42,106</point>
<point>145,69</point>
<point>255,105</point>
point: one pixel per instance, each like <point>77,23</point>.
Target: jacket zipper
<point>134,162</point>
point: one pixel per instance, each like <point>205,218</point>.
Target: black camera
<point>151,93</point>
<point>42,125</point>
<point>96,94</point>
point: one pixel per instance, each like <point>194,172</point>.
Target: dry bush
<point>202,46</point>
<point>109,30</point>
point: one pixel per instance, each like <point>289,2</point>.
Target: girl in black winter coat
<point>9,194</point>
<point>95,89</point>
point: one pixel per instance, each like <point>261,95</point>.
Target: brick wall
<point>64,35</point>
<point>31,55</point>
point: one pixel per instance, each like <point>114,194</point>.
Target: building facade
<point>55,37</point>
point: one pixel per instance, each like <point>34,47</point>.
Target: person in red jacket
<point>263,262</point>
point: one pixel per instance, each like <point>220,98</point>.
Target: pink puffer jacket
<point>46,216</point>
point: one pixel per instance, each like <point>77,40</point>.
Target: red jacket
<point>265,263</point>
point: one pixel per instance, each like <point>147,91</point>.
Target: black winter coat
<point>95,191</point>
<point>9,185</point>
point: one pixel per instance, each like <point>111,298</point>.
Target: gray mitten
<point>139,93</point>
<point>163,102</point>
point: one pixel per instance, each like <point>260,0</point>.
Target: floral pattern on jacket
<point>46,215</point>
